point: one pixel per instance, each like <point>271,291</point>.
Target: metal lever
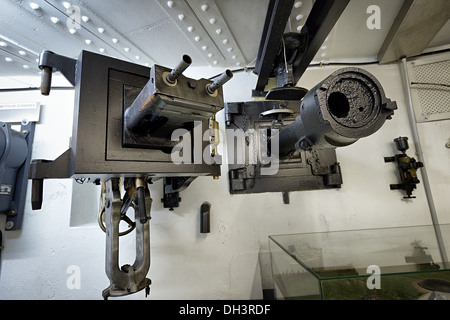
<point>50,62</point>
<point>129,278</point>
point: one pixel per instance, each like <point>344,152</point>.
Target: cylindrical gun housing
<point>179,69</point>
<point>348,105</point>
<point>220,81</point>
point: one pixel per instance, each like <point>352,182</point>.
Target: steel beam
<point>276,19</point>
<point>415,26</point>
<point>320,22</point>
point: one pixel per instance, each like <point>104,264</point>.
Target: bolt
<point>12,213</point>
<point>9,225</point>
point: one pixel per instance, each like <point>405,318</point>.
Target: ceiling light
<point>34,6</point>
<point>54,20</point>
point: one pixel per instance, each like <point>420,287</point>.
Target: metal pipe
<point>224,78</point>
<point>179,69</point>
<point>46,80</point>
<point>419,152</point>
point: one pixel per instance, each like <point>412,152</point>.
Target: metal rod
<point>224,78</point>
<point>426,181</point>
<point>179,69</point>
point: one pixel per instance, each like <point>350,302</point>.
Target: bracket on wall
<point>407,168</point>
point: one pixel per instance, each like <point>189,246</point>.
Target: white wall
<point>231,261</point>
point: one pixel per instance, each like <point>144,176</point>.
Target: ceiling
<point>223,33</point>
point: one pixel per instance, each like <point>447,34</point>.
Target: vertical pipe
<point>425,180</point>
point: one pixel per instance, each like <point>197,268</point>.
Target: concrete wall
<point>232,261</point>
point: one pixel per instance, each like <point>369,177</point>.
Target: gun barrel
<point>348,105</point>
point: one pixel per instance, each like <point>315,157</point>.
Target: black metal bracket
<point>50,62</point>
<point>172,188</point>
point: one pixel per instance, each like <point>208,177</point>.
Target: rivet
<point>212,20</point>
<point>72,30</point>
<point>299,17</point>
<point>55,20</point>
<point>34,6</point>
<point>26,66</point>
<point>85,18</point>
<point>298,4</point>
<point>66,5</point>
<point>101,30</point>
<point>190,28</point>
<point>22,53</point>
<point>233,56</point>
<point>101,50</point>
<point>8,59</point>
<point>181,17</point>
<point>225,41</point>
<point>230,49</point>
<point>204,48</point>
<point>204,7</point>
<point>197,38</point>
<point>210,55</point>
<point>126,49</point>
<point>115,40</point>
<point>215,62</point>
<point>88,41</point>
<point>170,4</point>
<point>219,31</point>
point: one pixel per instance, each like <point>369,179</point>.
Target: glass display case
<point>378,264</point>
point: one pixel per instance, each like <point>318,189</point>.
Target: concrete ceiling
<point>222,33</point>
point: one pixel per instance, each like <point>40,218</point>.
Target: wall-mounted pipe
<point>419,152</point>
